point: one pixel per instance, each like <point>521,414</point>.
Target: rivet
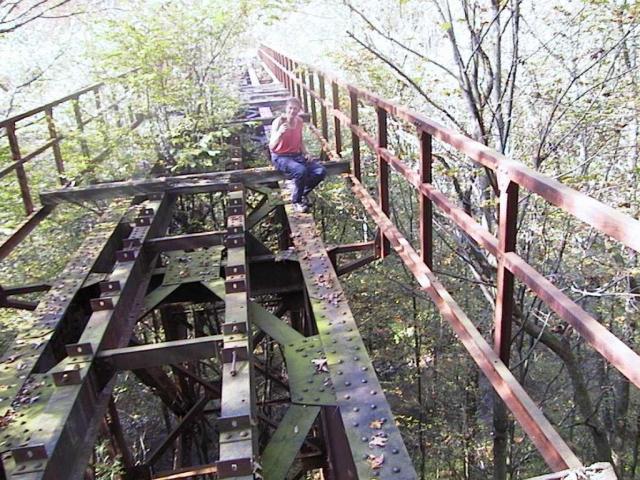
<point>339,372</point>
<point>395,451</point>
<point>396,469</point>
<point>365,439</point>
<point>373,406</point>
<point>364,380</point>
<point>356,409</point>
<point>373,392</point>
<point>356,359</point>
<point>347,384</point>
<point>347,397</point>
<point>356,424</point>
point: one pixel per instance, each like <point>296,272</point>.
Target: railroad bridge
<point>282,323</point>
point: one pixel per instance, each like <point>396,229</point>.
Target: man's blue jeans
<point>305,175</point>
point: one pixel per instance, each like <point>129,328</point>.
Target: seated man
<point>289,155</point>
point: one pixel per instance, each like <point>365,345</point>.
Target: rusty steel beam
<point>383,176</point>
<point>355,265</point>
<point>426,207</point>
<point>22,176</point>
<point>192,415</point>
<point>350,247</point>
<point>355,140</point>
<point>82,391</point>
<point>193,183</point>
<point>185,242</point>
<point>358,393</point>
<point>23,230</point>
<point>238,439</point>
<point>163,353</point>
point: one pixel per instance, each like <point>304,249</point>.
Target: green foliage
<point>180,62</point>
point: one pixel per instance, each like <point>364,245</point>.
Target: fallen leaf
<point>375,462</point>
<point>320,364</point>
<point>378,440</point>
<point>377,424</point>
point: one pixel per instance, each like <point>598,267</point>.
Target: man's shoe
<point>300,208</point>
<point>306,200</point>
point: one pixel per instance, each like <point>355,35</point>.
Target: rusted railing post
<point>84,147</point>
<point>296,69</point>
<point>312,86</point>
<point>355,140</point>
<point>426,207</point>
<point>305,94</point>
<point>506,243</point>
<point>384,247</point>
<point>292,85</point>
<point>335,93</point>
<point>323,108</point>
<point>507,223</point>
<point>57,153</point>
<point>285,78</point>
<point>22,176</point>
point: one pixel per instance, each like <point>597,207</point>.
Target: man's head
<point>292,108</point>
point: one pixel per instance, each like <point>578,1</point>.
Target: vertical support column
<point>22,176</point>
<point>506,243</point>
<point>384,247</point>
<point>335,93</point>
<point>426,207</point>
<point>323,108</point>
<point>355,140</point>
<point>312,86</point>
<point>238,440</point>
<point>84,147</point>
<point>57,154</point>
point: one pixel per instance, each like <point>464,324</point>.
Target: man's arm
<point>276,133</point>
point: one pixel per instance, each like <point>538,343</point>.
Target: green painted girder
<point>259,214</point>
<point>272,325</point>
<point>217,287</point>
<point>199,266</point>
<point>309,381</point>
<point>157,296</point>
<point>285,443</point>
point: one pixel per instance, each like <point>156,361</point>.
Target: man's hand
<point>282,128</point>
